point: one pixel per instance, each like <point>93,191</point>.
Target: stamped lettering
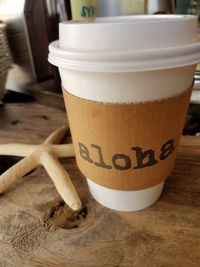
<point>167,149</point>
<point>144,158</point>
<point>122,162</point>
<point>84,152</point>
<point>117,158</point>
<point>101,163</point>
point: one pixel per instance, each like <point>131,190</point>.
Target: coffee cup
<point>127,83</point>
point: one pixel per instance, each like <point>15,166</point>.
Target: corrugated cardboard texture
<point>126,146</point>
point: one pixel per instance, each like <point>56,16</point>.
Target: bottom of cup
<point>125,200</point>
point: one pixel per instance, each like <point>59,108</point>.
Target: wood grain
<point>37,229</point>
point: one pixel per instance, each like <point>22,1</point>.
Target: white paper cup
<point>127,60</point>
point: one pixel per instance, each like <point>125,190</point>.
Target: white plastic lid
<point>130,43</point>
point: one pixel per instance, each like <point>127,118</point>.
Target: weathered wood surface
<point>37,230</point>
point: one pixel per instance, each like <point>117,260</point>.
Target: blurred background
<point>28,26</point>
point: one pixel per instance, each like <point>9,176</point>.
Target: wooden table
<point>37,229</point>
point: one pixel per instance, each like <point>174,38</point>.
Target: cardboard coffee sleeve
<point>126,146</point>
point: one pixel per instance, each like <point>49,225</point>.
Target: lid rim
<point>119,67</point>
<point>126,61</point>
<point>122,54</point>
